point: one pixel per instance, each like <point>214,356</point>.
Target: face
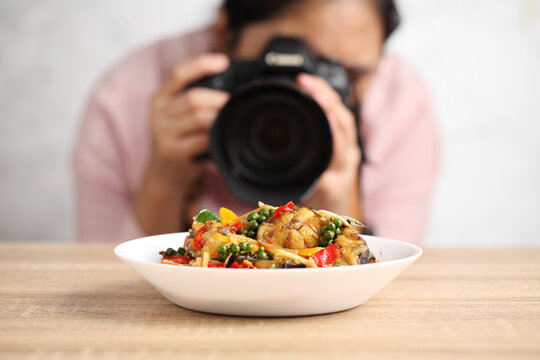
<point>347,30</point>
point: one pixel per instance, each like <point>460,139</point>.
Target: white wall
<point>481,58</point>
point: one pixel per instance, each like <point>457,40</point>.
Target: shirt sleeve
<point>405,173</point>
<point>104,204</point>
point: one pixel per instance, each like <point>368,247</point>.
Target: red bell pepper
<point>247,265</point>
<point>179,259</point>
<point>221,265</point>
<point>198,240</point>
<point>237,226</point>
<point>243,265</point>
<point>326,256</point>
<point>289,207</point>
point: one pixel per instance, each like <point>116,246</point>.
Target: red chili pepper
<point>326,256</point>
<point>179,259</point>
<point>198,240</point>
<point>237,226</point>
<point>234,265</point>
<point>289,207</point>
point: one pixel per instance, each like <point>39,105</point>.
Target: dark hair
<point>241,13</point>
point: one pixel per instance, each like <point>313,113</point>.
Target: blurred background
<point>481,59</point>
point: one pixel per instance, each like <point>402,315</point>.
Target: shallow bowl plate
<point>279,292</point>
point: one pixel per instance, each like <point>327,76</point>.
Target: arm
<point>180,122</point>
<point>178,128</point>
<point>338,187</point>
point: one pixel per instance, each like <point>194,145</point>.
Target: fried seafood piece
<point>301,229</point>
<point>354,249</point>
<point>297,230</point>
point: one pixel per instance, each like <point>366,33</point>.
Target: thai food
<point>271,238</point>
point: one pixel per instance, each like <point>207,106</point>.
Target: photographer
<point>135,163</point>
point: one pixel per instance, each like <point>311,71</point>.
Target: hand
<point>181,119</point>
<point>338,187</point>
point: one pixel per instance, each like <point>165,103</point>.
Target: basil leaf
<point>205,215</point>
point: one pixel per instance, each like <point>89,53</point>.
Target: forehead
<point>349,30</point>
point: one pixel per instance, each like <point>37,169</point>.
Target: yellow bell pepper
<point>309,252</point>
<point>223,238</point>
<point>227,216</point>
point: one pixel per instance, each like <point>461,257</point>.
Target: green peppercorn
<point>338,232</point>
<point>262,219</point>
<point>253,225</point>
<point>271,255</point>
<point>253,216</point>
<point>181,251</point>
<point>170,252</point>
<point>222,256</point>
<point>265,212</point>
<point>243,246</point>
<point>261,249</point>
<point>222,249</point>
<point>329,235</point>
<point>271,213</point>
<point>262,255</point>
<point>331,227</point>
<point>235,249</point>
<point>252,234</point>
<point>338,223</point>
<point>322,241</point>
<point>249,248</point>
<point>323,229</point>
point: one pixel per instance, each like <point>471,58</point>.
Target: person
<point>134,158</point>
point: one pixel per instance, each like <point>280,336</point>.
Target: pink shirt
<point>114,144</point>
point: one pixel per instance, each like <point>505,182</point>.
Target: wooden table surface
<point>78,301</point>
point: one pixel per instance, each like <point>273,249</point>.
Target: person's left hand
<point>338,187</point>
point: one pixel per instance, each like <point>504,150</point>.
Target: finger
<point>186,73</point>
<point>340,117</point>
<point>198,98</point>
<point>320,90</point>
<point>200,120</point>
<point>190,146</point>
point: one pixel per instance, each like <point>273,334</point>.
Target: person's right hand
<point>181,119</point>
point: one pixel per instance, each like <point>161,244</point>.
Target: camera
<point>271,140</point>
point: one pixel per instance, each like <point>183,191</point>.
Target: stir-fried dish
<point>271,238</point>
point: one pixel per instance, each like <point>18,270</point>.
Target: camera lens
<point>271,141</point>
<point>272,136</point>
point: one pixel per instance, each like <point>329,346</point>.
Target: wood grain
<point>78,301</point>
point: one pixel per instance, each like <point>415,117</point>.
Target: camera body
<point>272,141</point>
<point>283,57</point>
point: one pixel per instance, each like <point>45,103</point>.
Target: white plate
<point>279,292</point>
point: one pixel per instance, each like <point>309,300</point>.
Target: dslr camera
<point>271,140</point>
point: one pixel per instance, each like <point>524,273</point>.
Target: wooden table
<point>78,301</point>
